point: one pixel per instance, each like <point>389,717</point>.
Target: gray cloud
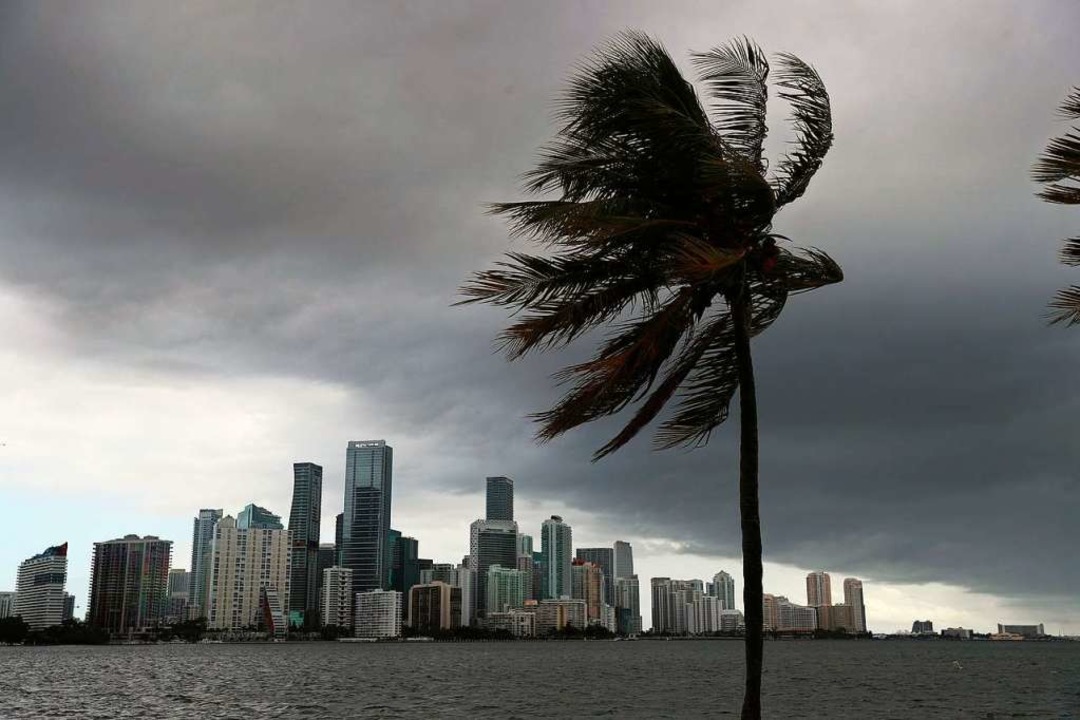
<point>299,192</point>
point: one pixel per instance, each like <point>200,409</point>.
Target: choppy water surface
<point>821,679</point>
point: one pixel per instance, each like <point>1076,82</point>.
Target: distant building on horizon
<point>818,589</point>
<point>39,588</point>
<point>178,594</point>
<point>243,563</point>
<point>202,536</point>
<point>1028,631</point>
<point>404,562</point>
<point>460,577</point>
<point>921,627</point>
<point>253,517</point>
<point>722,587</point>
<point>499,499</point>
<point>434,606</point>
<point>557,543</point>
<point>624,559</point>
<point>336,599</point>
<point>305,521</point>
<point>129,584</point>
<point>554,615</point>
<point>587,583</point>
<point>69,607</point>
<point>603,558</point>
<point>491,542</point>
<point>378,614</point>
<point>505,588</point>
<point>628,605</point>
<point>853,596</point>
<point>369,472</point>
<point>7,604</point>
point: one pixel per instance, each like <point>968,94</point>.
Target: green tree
<point>13,630</point>
<point>1059,169</point>
<point>661,231</point>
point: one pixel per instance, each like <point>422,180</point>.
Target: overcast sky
<point>230,236</point>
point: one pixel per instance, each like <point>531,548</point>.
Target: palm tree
<point>1059,168</point>
<point>662,232</point>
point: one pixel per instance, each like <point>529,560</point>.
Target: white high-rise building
<point>723,587</point>
<point>378,614</point>
<point>853,596</point>
<point>336,603</point>
<point>818,589</point>
<point>557,543</point>
<point>242,563</point>
<point>39,588</point>
<point>7,604</point>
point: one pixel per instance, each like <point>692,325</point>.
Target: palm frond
<point>1059,166</point>
<point>805,269</point>
<point>596,225</point>
<point>735,76</point>
<point>811,117</point>
<point>1065,307</point>
<point>1070,107</point>
<point>1070,252</point>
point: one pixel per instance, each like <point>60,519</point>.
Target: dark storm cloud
<point>299,192</point>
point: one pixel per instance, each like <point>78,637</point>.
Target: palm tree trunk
<point>748,506</point>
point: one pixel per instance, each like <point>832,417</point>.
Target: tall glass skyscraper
<point>304,527</point>
<point>723,587</point>
<point>557,543</point>
<point>491,542</point>
<point>201,537</point>
<point>624,559</point>
<point>603,558</point>
<point>253,517</point>
<point>500,499</point>
<point>366,525</point>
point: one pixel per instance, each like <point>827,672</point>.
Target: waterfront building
<point>628,605</point>
<point>587,583</point>
<point>69,607</point>
<point>500,499</point>
<point>723,588</point>
<point>369,471</point>
<point>956,633</point>
<point>327,559</point>
<point>841,617</point>
<point>526,565</point>
<point>404,562</point>
<point>557,543</point>
<point>491,542</point>
<point>555,615</point>
<point>770,611</point>
<point>176,609</point>
<point>704,615</point>
<point>378,614</point>
<point>339,525</point>
<point>460,577</point>
<point>129,584</point>
<point>1028,631</point>
<point>505,589</point>
<point>202,536</point>
<point>7,604</point>
<point>922,627</point>
<point>818,589</point>
<point>253,517</point>
<point>305,526</point>
<point>336,599</point>
<point>624,559</point>
<point>434,606</point>
<point>39,588</point>
<point>782,615</point>
<point>274,612</point>
<point>607,618</point>
<point>242,563</point>
<point>732,621</point>
<point>853,596</point>
<point>603,558</point>
<point>520,622</point>
<point>673,604</point>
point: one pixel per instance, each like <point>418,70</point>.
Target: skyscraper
<point>500,499</point>
<point>624,559</point>
<point>628,605</point>
<point>129,584</point>
<point>853,596</point>
<point>378,614</point>
<point>603,558</point>
<point>369,469</point>
<point>7,604</point>
<point>201,537</point>
<point>557,541</point>
<point>505,588</point>
<point>434,606</point>
<point>253,517</point>
<point>179,591</point>
<point>723,587</point>
<point>587,583</point>
<point>304,527</point>
<point>818,589</point>
<point>491,542</point>
<point>339,532</point>
<point>404,562</point>
<point>243,564</point>
<point>39,588</point>
<point>337,597</point>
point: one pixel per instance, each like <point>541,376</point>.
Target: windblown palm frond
<point>663,214</point>
<point>1059,169</point>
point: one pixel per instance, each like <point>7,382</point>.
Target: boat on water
<point>357,640</point>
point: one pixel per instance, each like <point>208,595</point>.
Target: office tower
<point>587,583</point>
<point>243,563</point>
<point>492,542</point>
<point>69,607</point>
<point>404,563</point>
<point>339,525</point>
<point>723,587</point>
<point>500,499</point>
<point>434,606</point>
<point>628,605</point>
<point>378,614</point>
<point>7,604</point>
<point>524,544</point>
<point>460,577</point>
<point>853,596</point>
<point>557,544</point>
<point>673,604</point>
<point>818,589</point>
<point>505,588</point>
<point>178,592</point>
<point>201,537</point>
<point>129,584</point>
<point>555,615</point>
<point>305,520</point>
<point>526,565</point>
<point>337,597</point>
<point>603,558</point>
<point>39,588</point>
<point>369,471</point>
<point>253,517</point>
<point>624,559</point>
